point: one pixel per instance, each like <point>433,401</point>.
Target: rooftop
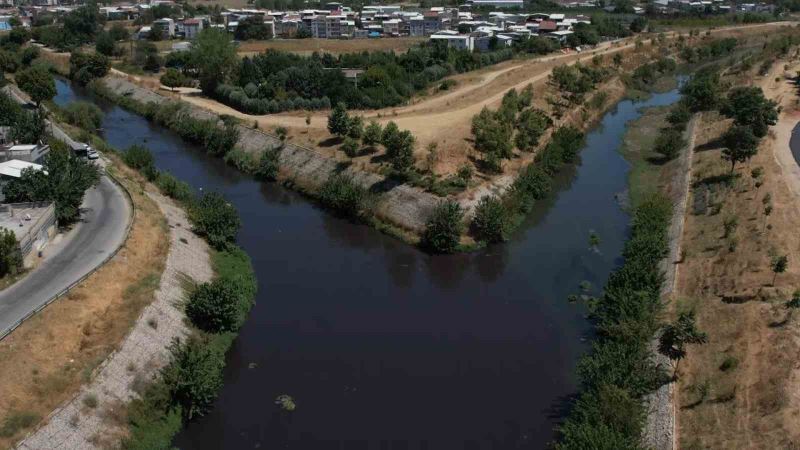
<point>22,217</point>
<point>14,167</point>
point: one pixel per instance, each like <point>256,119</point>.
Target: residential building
<point>454,39</point>
<point>29,153</point>
<point>12,169</point>
<point>167,27</point>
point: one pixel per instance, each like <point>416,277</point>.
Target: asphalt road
<point>104,219</point>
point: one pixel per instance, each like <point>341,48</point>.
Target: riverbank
<point>96,418</point>
<point>737,390</point>
<point>48,357</point>
<point>400,210</point>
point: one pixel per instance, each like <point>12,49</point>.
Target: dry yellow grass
<point>47,358</point>
<point>739,390</point>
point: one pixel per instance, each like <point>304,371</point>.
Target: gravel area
<point>87,420</point>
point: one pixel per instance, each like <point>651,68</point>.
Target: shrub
<point>220,141</point>
<point>268,165</point>
<point>350,147</point>
<point>444,227</point>
<point>84,67</point>
<point>491,220</point>
<point>669,143</point>
<point>215,219</point>
<point>140,158</point>
<point>372,134</point>
<point>344,196</point>
<point>242,160</point>
<point>193,377</point>
<point>216,307</point>
<point>84,115</point>
<point>174,188</point>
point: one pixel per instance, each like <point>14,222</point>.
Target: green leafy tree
<point>118,32</point>
<point>344,196</point>
<point>10,254</point>
<point>444,227</point>
<point>532,123</point>
<point>679,334</point>
<point>389,134</point>
<point>779,264</point>
<point>491,222</point>
<point>401,151</point>
<point>747,106</point>
<point>104,44</point>
<point>492,136</point>
<point>64,181</point>
<point>339,120</point>
<point>372,134</point>
<point>669,143</point>
<point>703,91</point>
<point>215,219</point>
<point>217,307</point>
<point>84,67</point>
<point>679,115</point>
<point>356,127</point>
<point>193,377</point>
<point>28,127</point>
<point>173,78</point>
<point>740,145</point>
<point>28,55</point>
<point>213,54</point>
<point>38,83</point>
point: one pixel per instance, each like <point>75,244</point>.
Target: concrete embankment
<point>401,205</point>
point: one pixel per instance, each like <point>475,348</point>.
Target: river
<point>383,346</point>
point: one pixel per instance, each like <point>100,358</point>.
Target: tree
<point>63,180</point>
<point>28,127</point>
<point>173,78</point>
<point>779,264</point>
<point>492,137</point>
<point>702,92</point>
<point>216,307</point>
<point>748,106</point>
<point>84,67</point>
<point>401,151</point>
<point>444,227</point>
<point>679,115</point>
<point>677,335</point>
<point>389,134</point>
<point>118,32</point>
<point>339,120</point>
<point>531,125</point>
<point>194,376</point>
<point>104,44</point>
<point>38,83</point>
<point>214,56</point>
<point>356,127</point>
<point>669,143</point>
<point>491,222</point>
<point>740,145</point>
<point>10,254</point>
<point>215,219</point>
<point>156,32</point>
<point>372,134</point>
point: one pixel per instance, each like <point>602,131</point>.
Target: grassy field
<point>649,173</point>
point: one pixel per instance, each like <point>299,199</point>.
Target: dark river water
<point>385,347</point>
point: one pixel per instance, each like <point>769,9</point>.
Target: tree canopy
<point>748,106</point>
<point>38,83</point>
<point>214,55</point>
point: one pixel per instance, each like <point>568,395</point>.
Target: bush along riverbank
<point>619,370</point>
<point>187,386</point>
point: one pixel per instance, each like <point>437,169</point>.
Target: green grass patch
<point>648,173</point>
